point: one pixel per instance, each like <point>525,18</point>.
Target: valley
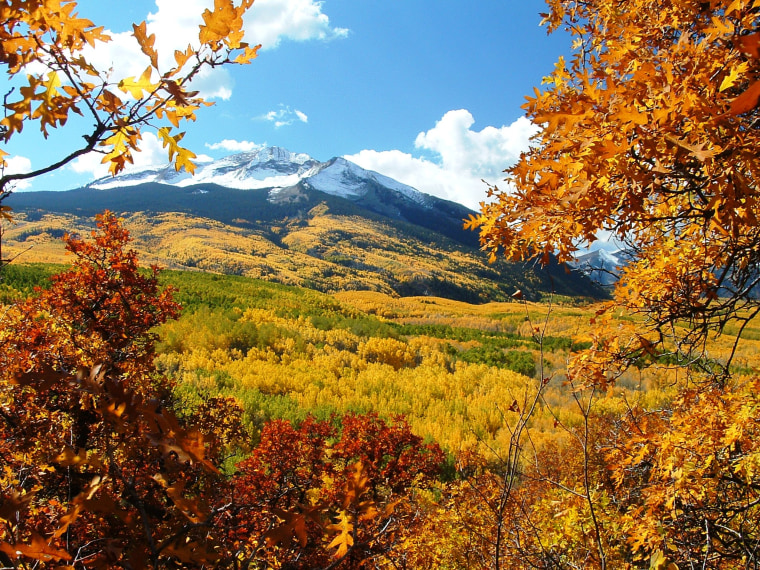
<point>450,368</point>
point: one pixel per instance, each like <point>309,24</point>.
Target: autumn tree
<point>319,497</point>
<point>649,134</point>
<point>45,48</point>
<point>96,469</point>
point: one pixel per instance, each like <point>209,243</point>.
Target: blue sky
<point>425,91</point>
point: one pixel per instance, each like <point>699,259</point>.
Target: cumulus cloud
<point>18,165</point>
<point>175,25</point>
<point>151,155</point>
<point>461,158</point>
<point>284,116</point>
<point>271,21</point>
<point>235,146</point>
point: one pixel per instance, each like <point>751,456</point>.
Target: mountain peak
<point>267,167</point>
<point>270,154</point>
<point>274,168</point>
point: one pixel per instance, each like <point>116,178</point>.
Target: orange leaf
<point>747,100</point>
<point>182,57</point>
<point>750,44</point>
<point>146,42</point>
<point>344,539</point>
<point>39,549</point>
<point>218,24</point>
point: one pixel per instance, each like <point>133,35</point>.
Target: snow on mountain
<point>601,265</point>
<point>271,167</point>
<point>342,178</point>
<point>265,168</point>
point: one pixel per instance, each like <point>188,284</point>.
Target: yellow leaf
<point>51,87</point>
<point>729,80</point>
<point>735,5</point>
<point>344,539</point>
<point>122,142</point>
<point>181,157</point>
<point>248,54</point>
<point>136,88</point>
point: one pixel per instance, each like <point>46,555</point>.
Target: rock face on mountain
<point>289,218</point>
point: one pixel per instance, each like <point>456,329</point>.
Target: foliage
<point>45,47</point>
<point>655,145</point>
<point>278,381</point>
<point>95,470</point>
<point>307,494</point>
<point>642,453</point>
<point>689,477</point>
<point>648,133</point>
<point>99,471</point>
<point>19,281</point>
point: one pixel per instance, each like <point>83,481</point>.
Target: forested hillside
<point>323,242</point>
<point>189,419</point>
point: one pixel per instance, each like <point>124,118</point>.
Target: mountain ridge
<point>330,226</point>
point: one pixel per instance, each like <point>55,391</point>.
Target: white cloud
<point>284,116</point>
<point>235,146</point>
<point>175,24</point>
<point>18,165</point>
<point>151,155</point>
<point>462,158</point>
<point>271,21</point>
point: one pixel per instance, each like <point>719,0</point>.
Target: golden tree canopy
<point>648,132</point>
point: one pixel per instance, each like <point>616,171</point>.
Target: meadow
<point>452,369</point>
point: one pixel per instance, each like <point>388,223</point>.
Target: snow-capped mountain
<point>295,180</point>
<point>271,167</point>
<point>341,177</point>
<point>602,266</point>
<point>289,218</point>
<point>274,168</point>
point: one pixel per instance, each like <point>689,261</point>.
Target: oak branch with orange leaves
<point>650,133</point>
<point>48,42</point>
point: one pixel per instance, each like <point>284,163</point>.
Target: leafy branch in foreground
<point>49,44</point>
<point>650,133</point>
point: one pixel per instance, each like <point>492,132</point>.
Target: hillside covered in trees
<point>320,241</point>
<point>197,420</point>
